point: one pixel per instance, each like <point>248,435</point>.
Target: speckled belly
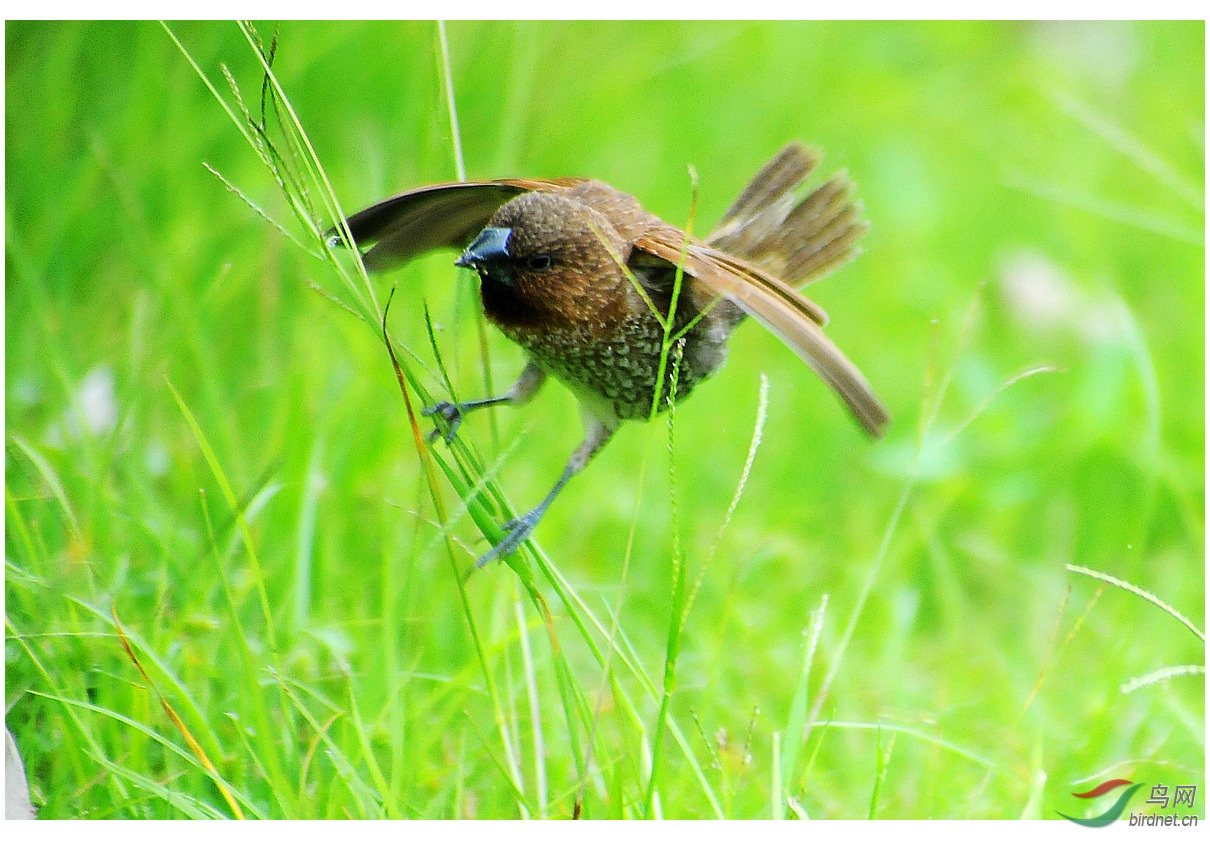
<point>619,366</point>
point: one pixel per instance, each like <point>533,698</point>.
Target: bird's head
<point>543,254</point>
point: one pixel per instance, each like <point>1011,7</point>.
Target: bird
<point>617,304</point>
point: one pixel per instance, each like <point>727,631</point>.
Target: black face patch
<point>503,303</point>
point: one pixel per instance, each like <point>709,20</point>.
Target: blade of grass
<point>367,753</point>
<point>90,746</point>
<point>1037,787</point>
<point>176,720</point>
<point>776,790</point>
<point>224,786</point>
<point>447,79</point>
<point>1159,675</point>
<point>1141,593</point>
<point>796,730</point>
<point>671,347</point>
<point>365,794</point>
<point>535,709</point>
<point>676,618</point>
<point>607,676</point>
<point>1128,145</point>
<point>264,723</point>
<point>882,763</point>
<point>56,488</point>
<point>305,769</point>
<point>304,543</point>
<point>509,695</point>
<point>426,460</point>
<point>758,429</point>
<point>485,360</point>
<point>232,502</point>
<point>1127,215</point>
<point>502,766</point>
<point>188,805</point>
<point>930,408</point>
<point>177,689</point>
<point>315,170</point>
<point>579,612</point>
<point>918,734</point>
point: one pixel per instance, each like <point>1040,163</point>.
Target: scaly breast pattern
<point>618,361</point>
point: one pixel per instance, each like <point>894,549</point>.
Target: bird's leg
<point>519,529</point>
<point>522,391</point>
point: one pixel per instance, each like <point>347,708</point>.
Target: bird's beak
<point>490,247</point>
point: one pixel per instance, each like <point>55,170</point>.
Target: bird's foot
<point>518,531</point>
<point>451,413</point>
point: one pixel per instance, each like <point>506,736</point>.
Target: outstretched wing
<point>435,216</point>
<point>779,308</point>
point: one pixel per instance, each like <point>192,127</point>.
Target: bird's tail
<point>798,237</point>
<point>795,235</point>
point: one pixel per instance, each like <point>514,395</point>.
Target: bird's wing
<point>779,307</point>
<point>435,216</point>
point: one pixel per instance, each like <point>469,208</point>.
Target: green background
<point>1036,198</point>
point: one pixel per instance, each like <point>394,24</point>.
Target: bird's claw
<point>451,413</point>
<point>518,531</point>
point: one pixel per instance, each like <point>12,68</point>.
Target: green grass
<point>204,445</point>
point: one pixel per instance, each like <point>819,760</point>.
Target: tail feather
<point>811,265</point>
<point>781,175</point>
<point>796,240</point>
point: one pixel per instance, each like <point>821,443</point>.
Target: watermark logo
<point>1113,813</point>
<point>1182,795</point>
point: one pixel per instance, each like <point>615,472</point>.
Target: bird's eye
<point>539,262</point>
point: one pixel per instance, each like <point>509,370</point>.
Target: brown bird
<point>583,279</point>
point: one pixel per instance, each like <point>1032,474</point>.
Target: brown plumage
<point>575,271</point>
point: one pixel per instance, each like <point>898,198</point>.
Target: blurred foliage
<point>1036,194</point>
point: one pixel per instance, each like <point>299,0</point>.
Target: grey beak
<point>488,248</point>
